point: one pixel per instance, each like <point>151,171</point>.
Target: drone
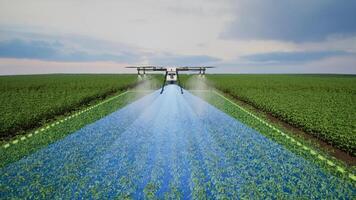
<point>171,73</point>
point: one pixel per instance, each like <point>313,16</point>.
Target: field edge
<point>22,145</point>
<point>289,140</point>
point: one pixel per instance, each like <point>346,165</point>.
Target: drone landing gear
<point>164,82</point>
<point>178,80</point>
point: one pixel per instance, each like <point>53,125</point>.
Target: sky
<point>235,36</point>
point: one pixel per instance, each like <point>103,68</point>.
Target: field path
<point>168,145</point>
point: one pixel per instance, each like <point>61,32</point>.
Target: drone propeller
<point>171,72</point>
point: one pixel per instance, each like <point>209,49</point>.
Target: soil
<point>342,155</point>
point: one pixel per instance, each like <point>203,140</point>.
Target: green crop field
<point>322,105</point>
<point>199,151</point>
<point>29,101</point>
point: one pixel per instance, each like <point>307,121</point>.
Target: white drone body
<point>172,75</point>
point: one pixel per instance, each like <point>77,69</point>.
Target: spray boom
<point>171,73</point>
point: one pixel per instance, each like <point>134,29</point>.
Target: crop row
<point>30,101</point>
<point>198,153</point>
<point>323,106</point>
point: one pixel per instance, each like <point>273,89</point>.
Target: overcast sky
<point>236,36</point>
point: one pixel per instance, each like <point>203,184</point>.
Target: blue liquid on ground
<point>168,145</point>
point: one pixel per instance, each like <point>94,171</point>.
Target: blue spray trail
<point>167,145</point>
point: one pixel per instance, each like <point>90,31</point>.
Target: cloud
<point>293,57</point>
<point>57,51</point>
<point>78,48</point>
<point>21,49</point>
<point>90,50</point>
<point>187,60</point>
<point>292,20</point>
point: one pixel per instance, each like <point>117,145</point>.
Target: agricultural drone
<point>171,73</point>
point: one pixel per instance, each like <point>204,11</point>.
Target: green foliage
<point>322,105</point>
<point>30,101</point>
<point>150,191</point>
<point>192,159</point>
<point>38,141</point>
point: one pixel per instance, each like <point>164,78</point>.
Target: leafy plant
<point>322,105</point>
<point>30,101</point>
